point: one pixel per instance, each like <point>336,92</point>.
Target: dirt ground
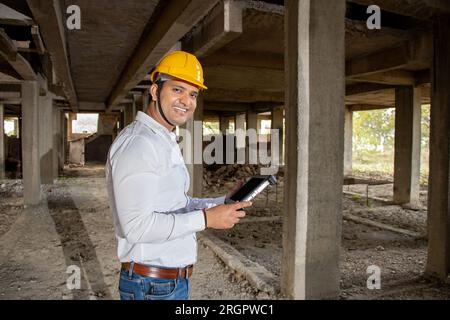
<point>74,227</point>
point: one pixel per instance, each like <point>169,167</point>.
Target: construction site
<point>74,74</point>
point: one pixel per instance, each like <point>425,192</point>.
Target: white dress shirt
<point>155,220</point>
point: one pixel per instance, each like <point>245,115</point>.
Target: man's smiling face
<point>178,100</point>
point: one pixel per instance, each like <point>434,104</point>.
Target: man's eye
<point>194,96</point>
<point>176,90</point>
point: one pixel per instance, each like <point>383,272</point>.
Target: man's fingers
<point>240,214</point>
<point>240,205</point>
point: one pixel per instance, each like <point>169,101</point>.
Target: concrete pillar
<point>315,77</point>
<point>139,103</point>
<point>129,115</point>
<point>145,100</point>
<point>46,138</point>
<point>63,147</point>
<point>224,124</point>
<point>438,262</point>
<point>31,165</point>
<point>239,121</point>
<point>56,142</point>
<point>195,167</point>
<point>348,142</point>
<point>252,137</point>
<point>277,124</point>
<point>407,145</point>
<point>2,142</point>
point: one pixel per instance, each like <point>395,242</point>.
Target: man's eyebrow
<point>184,88</point>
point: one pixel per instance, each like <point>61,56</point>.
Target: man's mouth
<point>184,110</point>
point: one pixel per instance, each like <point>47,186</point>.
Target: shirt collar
<point>153,124</point>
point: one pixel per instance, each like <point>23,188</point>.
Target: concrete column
<point>31,165</point>
<point>438,263</point>
<point>277,124</point>
<point>348,142</point>
<point>46,138</point>
<point>56,142</point>
<point>407,145</point>
<point>145,100</point>
<point>252,137</point>
<point>2,142</point>
<point>195,168</point>
<point>139,103</point>
<point>239,121</point>
<point>129,115</point>
<point>63,147</point>
<point>315,77</point>
<point>224,124</point>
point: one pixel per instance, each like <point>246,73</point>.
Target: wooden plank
<point>48,15</point>
<point>220,27</point>
<point>179,17</point>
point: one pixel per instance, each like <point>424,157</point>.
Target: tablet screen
<point>247,188</point>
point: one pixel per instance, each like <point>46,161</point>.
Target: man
<point>155,221</point>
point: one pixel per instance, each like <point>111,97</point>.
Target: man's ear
<point>153,90</point>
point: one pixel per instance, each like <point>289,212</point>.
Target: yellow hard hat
<point>181,65</point>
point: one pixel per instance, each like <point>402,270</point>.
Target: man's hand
<point>238,185</point>
<point>226,216</point>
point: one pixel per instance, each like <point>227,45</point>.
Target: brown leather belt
<point>161,273</point>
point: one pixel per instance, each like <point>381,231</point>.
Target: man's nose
<point>184,99</point>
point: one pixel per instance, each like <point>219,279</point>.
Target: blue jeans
<point>137,287</point>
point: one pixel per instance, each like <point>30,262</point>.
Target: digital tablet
<point>251,188</point>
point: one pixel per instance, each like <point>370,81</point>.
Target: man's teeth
<point>181,109</point>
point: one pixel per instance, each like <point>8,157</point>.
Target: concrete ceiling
<point>110,32</point>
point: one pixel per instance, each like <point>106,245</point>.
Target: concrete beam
<point>355,89</point>
<point>244,96</point>
<point>393,78</point>
<point>222,25</point>
<point>31,167</point>
<point>315,77</point>
<point>178,17</point>
<point>415,51</point>
<point>7,46</point>
<point>37,40</point>
<point>438,259</point>
<point>16,61</point>
<point>48,14</point>
<point>366,107</point>
<point>419,9</point>
<point>407,145</point>
<point>245,78</point>
<point>9,16</point>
